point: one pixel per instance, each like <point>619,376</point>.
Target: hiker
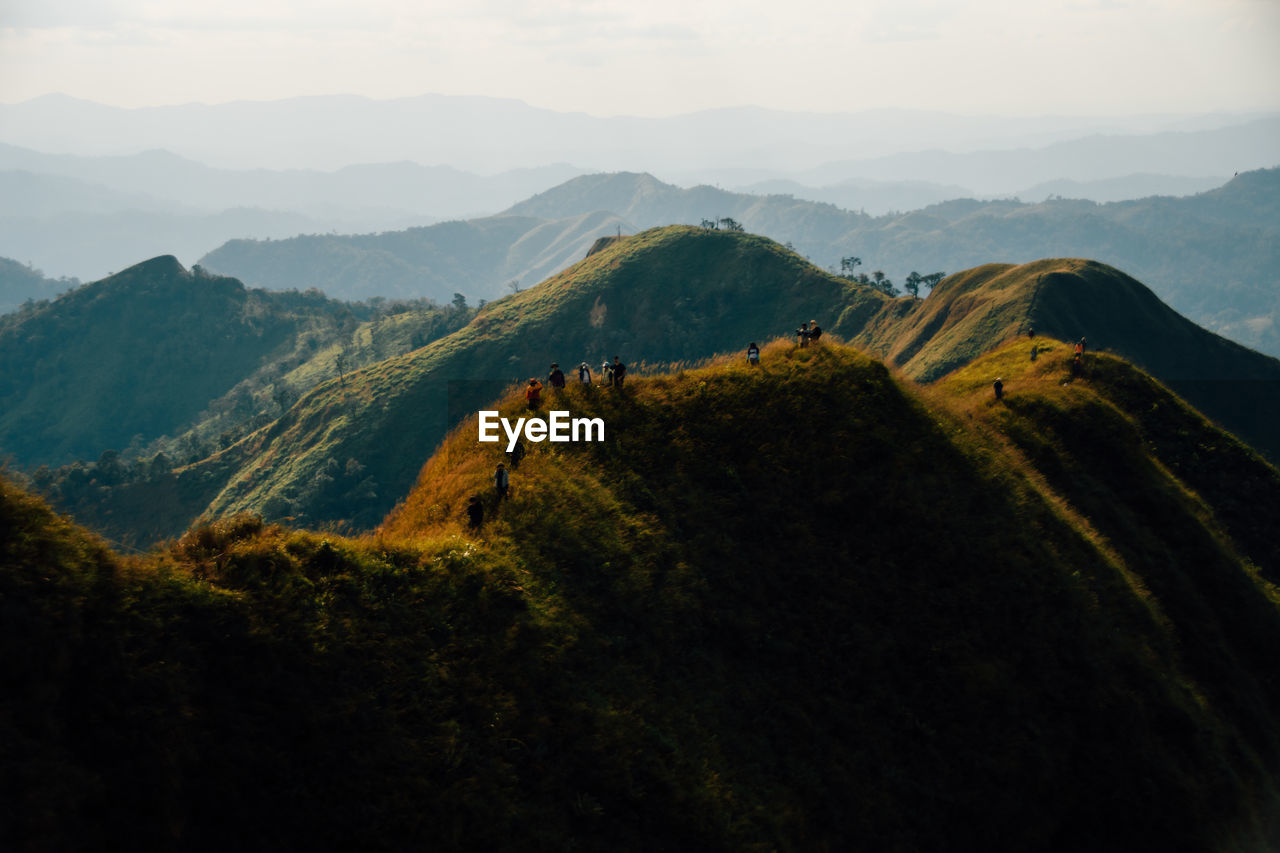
<point>814,331</point>
<point>533,394</point>
<point>753,354</point>
<point>998,385</point>
<point>556,377</point>
<point>1080,348</point>
<point>475,513</point>
<point>502,481</point>
<point>619,371</point>
<point>1076,365</point>
<point>1031,331</point>
<point>584,374</point>
<point>1084,345</point>
<point>516,453</point>
<point>606,371</point>
<point>803,332</point>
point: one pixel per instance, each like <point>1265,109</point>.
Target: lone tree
<point>731,224</point>
<point>847,265</point>
<point>912,284</point>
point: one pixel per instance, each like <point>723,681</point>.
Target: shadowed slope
<point>795,607</point>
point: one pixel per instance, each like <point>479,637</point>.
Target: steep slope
<point>972,312</point>
<point>139,353</point>
<point>668,295</point>
<point>794,607</point>
<point>158,351</point>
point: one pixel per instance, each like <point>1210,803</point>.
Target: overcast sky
<point>658,57</point>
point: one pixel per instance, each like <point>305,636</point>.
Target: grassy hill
<point>669,295</point>
<point>806,606</point>
<point>972,312</point>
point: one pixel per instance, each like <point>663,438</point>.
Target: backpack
<point>815,333</point>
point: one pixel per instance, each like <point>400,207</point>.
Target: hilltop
<point>673,294</point>
<point>974,311</point>
<point>799,607</point>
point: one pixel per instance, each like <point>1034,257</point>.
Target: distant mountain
<point>801,606</point>
<point>479,258</point>
<point>489,135</point>
<point>19,282</point>
<point>353,192</point>
<point>91,246</point>
<point>1214,257</point>
<point>879,197</point>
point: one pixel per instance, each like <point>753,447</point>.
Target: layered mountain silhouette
<point>801,606</point>
<point>1212,256</point>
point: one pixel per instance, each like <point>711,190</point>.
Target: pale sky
<point>658,57</point>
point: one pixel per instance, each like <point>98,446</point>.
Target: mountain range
<point>668,295</point>
<point>1213,256</point>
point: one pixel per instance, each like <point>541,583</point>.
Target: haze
<point>658,58</point>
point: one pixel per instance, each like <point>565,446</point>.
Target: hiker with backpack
<point>814,331</point>
<point>753,355</point>
<point>475,513</point>
<point>533,393</point>
<point>584,375</point>
<point>502,481</point>
<point>619,372</point>
<point>998,385</point>
<point>803,333</point>
<point>606,373</point>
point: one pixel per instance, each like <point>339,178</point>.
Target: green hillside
<point>159,352</point>
<point>668,295</point>
<point>971,313</point>
<point>801,607</point>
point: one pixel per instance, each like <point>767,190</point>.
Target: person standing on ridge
<point>998,385</point>
<point>803,333</point>
<point>606,373</point>
<point>502,481</point>
<point>475,513</point>
<point>814,331</point>
<point>533,394</point>
<point>619,371</point>
<point>556,377</point>
<point>584,374</point>
<point>753,355</point>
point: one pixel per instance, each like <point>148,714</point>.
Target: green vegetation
<point>802,606</point>
<point>349,447</point>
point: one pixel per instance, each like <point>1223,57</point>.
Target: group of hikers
<point>807,333</point>
<point>613,376</point>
